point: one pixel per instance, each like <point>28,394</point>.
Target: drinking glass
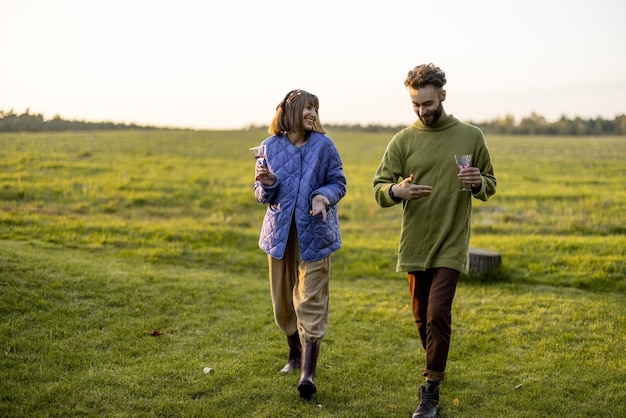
<point>463,161</point>
<point>258,152</point>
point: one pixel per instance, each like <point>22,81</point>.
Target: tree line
<point>538,125</point>
<point>530,125</point>
<point>35,122</point>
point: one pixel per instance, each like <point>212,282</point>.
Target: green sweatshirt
<point>436,229</point>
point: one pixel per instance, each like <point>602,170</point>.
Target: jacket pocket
<point>325,232</point>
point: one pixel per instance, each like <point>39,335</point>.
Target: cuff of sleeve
<point>479,189</point>
<point>393,196</point>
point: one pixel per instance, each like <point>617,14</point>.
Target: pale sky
<point>227,64</point>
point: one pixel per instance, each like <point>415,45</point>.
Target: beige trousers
<point>300,292</point>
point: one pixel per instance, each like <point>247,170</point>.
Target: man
<point>418,170</point>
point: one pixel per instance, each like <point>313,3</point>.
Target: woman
<point>301,181</point>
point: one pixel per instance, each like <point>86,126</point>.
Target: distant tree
<point>620,121</point>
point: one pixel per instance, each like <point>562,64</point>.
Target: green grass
<point>106,237</point>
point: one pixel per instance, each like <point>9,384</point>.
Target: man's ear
<point>443,95</point>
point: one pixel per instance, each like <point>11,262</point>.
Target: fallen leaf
<point>156,333</point>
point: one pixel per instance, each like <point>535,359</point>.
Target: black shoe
<point>429,401</point>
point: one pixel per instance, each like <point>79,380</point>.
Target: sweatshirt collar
<point>439,126</point>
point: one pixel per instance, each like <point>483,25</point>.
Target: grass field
<point>107,237</point>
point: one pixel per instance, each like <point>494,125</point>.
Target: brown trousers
<point>300,292</point>
<point>432,292</point>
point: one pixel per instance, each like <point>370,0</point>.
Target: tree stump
<point>482,261</point>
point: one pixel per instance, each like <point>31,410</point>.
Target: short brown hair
<point>425,74</point>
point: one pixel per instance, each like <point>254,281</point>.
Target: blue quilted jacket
<point>301,173</point>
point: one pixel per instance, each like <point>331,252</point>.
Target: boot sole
<point>307,390</point>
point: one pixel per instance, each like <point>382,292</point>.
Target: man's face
<point>428,103</point>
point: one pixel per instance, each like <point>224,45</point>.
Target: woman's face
<point>309,115</point>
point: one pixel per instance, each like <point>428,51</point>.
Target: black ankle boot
<point>295,353</point>
<point>429,401</point>
<point>306,387</point>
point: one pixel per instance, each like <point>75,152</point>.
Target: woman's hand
<point>264,175</point>
<point>319,205</point>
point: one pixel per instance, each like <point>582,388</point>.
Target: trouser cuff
<point>432,375</point>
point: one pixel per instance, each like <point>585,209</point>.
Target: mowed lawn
<point>129,265</point>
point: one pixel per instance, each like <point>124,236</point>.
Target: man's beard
<point>435,115</point>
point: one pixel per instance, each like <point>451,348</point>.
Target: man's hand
<point>408,191</point>
<point>470,175</point>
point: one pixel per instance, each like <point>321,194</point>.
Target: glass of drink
<point>463,161</point>
<point>258,153</point>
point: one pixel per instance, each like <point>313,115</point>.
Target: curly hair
<point>425,74</point>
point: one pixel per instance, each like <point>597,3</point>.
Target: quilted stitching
<point>314,168</point>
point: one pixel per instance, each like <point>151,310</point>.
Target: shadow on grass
<point>497,275</point>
